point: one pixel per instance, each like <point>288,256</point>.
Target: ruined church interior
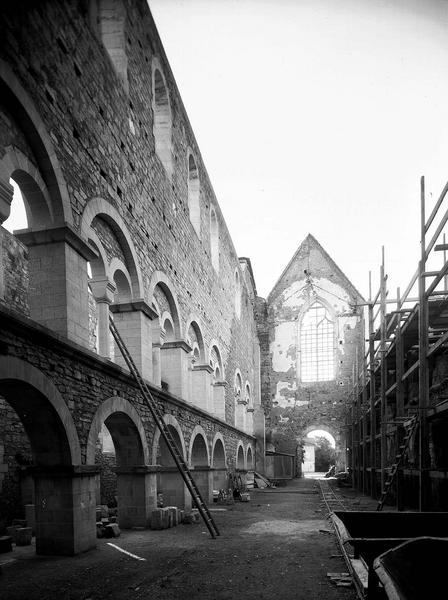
<point>149,395</point>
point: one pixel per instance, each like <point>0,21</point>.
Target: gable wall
<point>289,403</point>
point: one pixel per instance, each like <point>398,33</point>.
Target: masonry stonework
<point>297,403</point>
<point>95,136</point>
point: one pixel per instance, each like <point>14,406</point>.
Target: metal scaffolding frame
<point>394,386</point>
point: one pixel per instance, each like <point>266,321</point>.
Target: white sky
<point>316,116</point>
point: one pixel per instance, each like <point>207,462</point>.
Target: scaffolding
<point>397,413</point>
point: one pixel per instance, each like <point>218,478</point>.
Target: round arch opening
<point>40,458</point>
<point>240,459</point>
<point>320,454</point>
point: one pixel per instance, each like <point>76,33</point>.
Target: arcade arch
<point>171,489</point>
<point>219,464</point>
<point>126,429</point>
<point>219,384</point>
<point>240,462</point>
<point>68,526</point>
<point>200,463</point>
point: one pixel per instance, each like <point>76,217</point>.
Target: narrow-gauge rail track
<point>333,502</point>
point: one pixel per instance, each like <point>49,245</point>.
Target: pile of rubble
<point>18,533</point>
<point>106,522</point>
<point>170,516</point>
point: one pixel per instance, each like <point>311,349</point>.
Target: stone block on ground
<point>196,516</point>
<point>191,518</point>
<point>5,543</point>
<point>24,536</point>
<point>157,519</point>
<point>174,517</point>
<point>112,530</point>
<point>167,518</point>
<point>12,531</point>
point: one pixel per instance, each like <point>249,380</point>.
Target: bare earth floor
<point>270,547</point>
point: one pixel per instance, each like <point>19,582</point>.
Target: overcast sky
<point>316,116</point>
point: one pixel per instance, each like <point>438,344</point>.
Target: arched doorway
<point>220,475</point>
<point>319,451</point>
<point>171,489</point>
<point>64,498</point>
<point>240,465</point>
<point>117,444</point>
<point>199,460</point>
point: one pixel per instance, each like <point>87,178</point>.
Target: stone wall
<point>295,406</point>
<point>85,381</point>
<point>104,139</point>
<point>15,456</point>
<point>15,272</point>
<point>95,134</point>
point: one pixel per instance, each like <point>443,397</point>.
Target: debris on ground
<point>260,481</point>
<point>341,579</point>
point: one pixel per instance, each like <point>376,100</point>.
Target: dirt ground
<point>278,545</point>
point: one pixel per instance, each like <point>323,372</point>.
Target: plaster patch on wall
<point>350,321</point>
<point>285,337</point>
<point>293,295</point>
<point>285,394</point>
<point>332,293</point>
<point>344,323</point>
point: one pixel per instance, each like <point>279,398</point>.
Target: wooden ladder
<point>410,425</point>
<point>166,434</point>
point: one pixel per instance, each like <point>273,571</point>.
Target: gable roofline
<point>312,239</point>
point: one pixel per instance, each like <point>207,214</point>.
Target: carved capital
<point>102,289</point>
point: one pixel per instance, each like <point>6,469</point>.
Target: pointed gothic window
<point>317,345</point>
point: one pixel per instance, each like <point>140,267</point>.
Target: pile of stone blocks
<point>170,516</point>
<point>18,533</point>
<point>106,522</point>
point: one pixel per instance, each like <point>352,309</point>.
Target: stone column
<point>260,434</point>
<point>173,488</point>
<point>158,337</point>
<point>220,478</point>
<point>203,477</point>
<point>6,194</point>
<point>240,420</point>
<point>250,420</point>
<point>219,399</point>
<point>133,321</point>
<point>201,387</point>
<point>174,365</point>
<point>58,293</point>
<point>65,498</point>
<point>136,495</point>
<point>103,290</point>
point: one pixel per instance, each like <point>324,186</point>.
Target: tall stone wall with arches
<point>121,221</point>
